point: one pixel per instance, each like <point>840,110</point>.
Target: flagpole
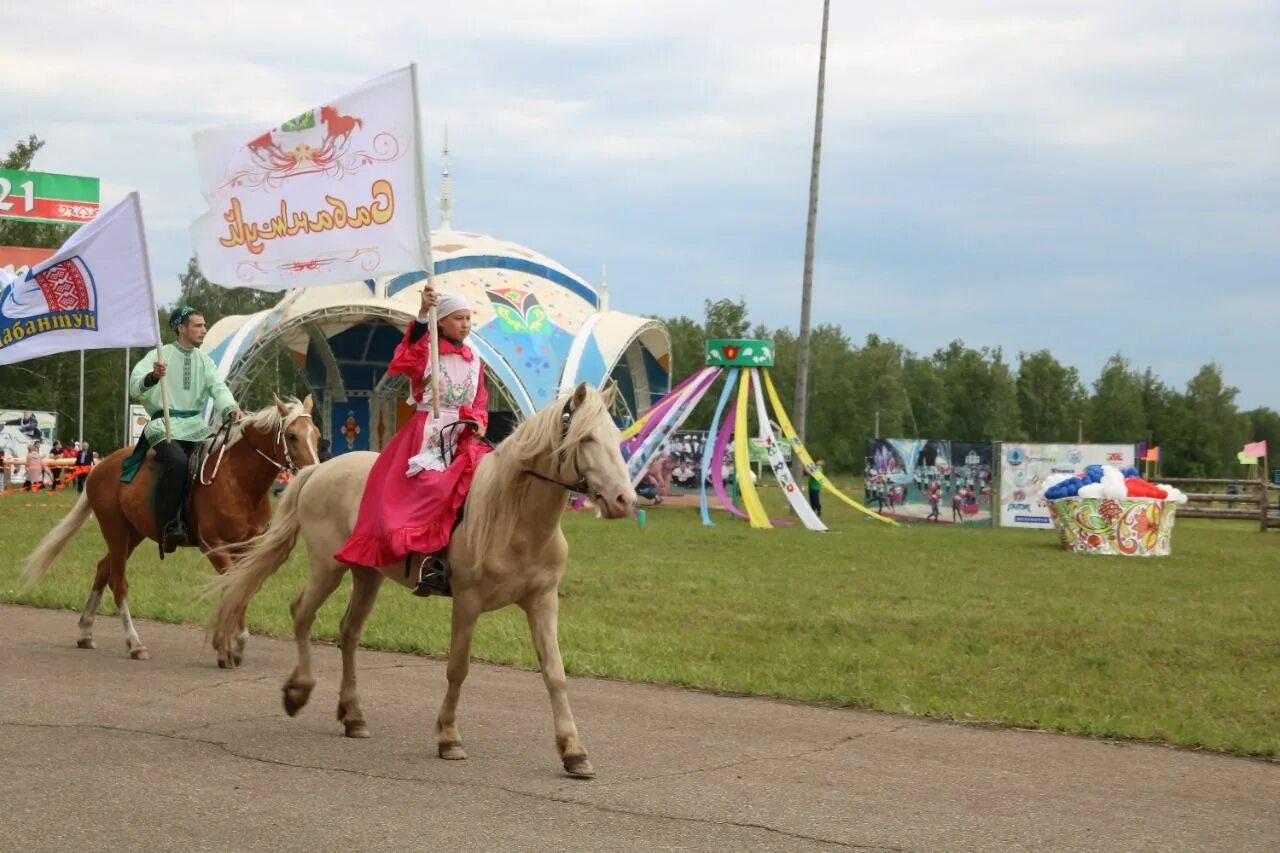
<point>155,318</point>
<point>128,421</point>
<point>80,427</point>
<point>424,238</point>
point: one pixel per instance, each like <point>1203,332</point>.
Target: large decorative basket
<point>1125,527</point>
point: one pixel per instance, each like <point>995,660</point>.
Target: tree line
<point>958,392</point>
<point>966,394</point>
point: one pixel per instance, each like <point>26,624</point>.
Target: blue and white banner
<point>93,293</point>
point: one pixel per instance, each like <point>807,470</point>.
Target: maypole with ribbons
<point>745,365</point>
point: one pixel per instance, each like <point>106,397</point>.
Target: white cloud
<point>965,142</point>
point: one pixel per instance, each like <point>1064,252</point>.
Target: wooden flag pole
<point>155,315</point>
<point>1262,494</point>
<point>424,224</point>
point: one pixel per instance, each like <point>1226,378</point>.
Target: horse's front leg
<point>466,611</point>
<point>543,611</point>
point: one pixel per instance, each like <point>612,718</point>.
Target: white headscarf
<point>449,303</point>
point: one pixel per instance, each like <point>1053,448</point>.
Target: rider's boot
<point>175,534</point>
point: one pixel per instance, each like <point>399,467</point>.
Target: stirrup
<point>175,534</point>
<point>433,577</point>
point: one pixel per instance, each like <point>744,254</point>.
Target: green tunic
<point>192,379</point>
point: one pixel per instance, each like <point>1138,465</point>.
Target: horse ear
<point>580,394</point>
<point>610,395</point>
<point>281,406</point>
<point>307,404</point>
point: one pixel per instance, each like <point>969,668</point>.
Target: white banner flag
<point>328,196</point>
<point>93,293</point>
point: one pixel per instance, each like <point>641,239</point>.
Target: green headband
<point>179,316</point>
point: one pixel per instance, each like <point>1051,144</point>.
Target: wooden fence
<point>1255,500</point>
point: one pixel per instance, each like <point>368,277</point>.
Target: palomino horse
<point>509,549</point>
<point>232,508</point>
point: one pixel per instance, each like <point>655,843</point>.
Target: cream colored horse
<point>509,549</point>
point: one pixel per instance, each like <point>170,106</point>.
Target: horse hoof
<point>294,703</point>
<point>356,728</point>
<point>452,751</point>
<point>237,661</point>
<point>86,644</point>
<point>579,767</point>
<point>140,654</point>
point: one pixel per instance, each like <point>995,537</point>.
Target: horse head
<point>591,450</point>
<point>299,434</point>
<point>283,433</point>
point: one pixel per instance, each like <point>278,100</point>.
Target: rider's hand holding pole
<point>429,301</point>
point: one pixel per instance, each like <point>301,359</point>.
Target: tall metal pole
<point>80,422</point>
<point>806,293</point>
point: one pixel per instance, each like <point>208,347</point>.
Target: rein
<point>220,440</point>
<point>280,442</point>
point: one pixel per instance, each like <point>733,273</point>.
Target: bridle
<point>224,435</point>
<point>582,487</point>
<point>280,442</point>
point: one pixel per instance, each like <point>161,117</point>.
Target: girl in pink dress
<point>413,494</point>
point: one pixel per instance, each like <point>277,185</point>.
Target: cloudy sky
<point>1092,176</point>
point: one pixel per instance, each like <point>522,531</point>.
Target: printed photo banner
<point>19,429</point>
<point>930,480</point>
<point>1025,467</point>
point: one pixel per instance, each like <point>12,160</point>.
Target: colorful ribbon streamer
<point>779,465</point>
<point>797,447</point>
<point>742,460</point>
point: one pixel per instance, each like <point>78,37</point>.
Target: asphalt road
<point>98,752</point>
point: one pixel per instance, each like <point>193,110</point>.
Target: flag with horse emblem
<point>93,293</point>
<point>327,196</point>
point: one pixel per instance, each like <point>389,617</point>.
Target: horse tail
<point>35,566</point>
<point>261,557</point>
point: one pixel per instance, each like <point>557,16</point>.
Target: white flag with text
<point>93,293</point>
<point>327,196</point>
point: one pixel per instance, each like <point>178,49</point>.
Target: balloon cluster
<point>1106,481</point>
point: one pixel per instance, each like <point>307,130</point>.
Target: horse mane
<point>267,419</point>
<point>501,487</point>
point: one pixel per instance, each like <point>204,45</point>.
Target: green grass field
<point>996,626</point>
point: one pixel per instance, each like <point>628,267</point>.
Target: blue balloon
<point>1066,489</point>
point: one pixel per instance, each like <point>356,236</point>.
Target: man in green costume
<point>195,380</point>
